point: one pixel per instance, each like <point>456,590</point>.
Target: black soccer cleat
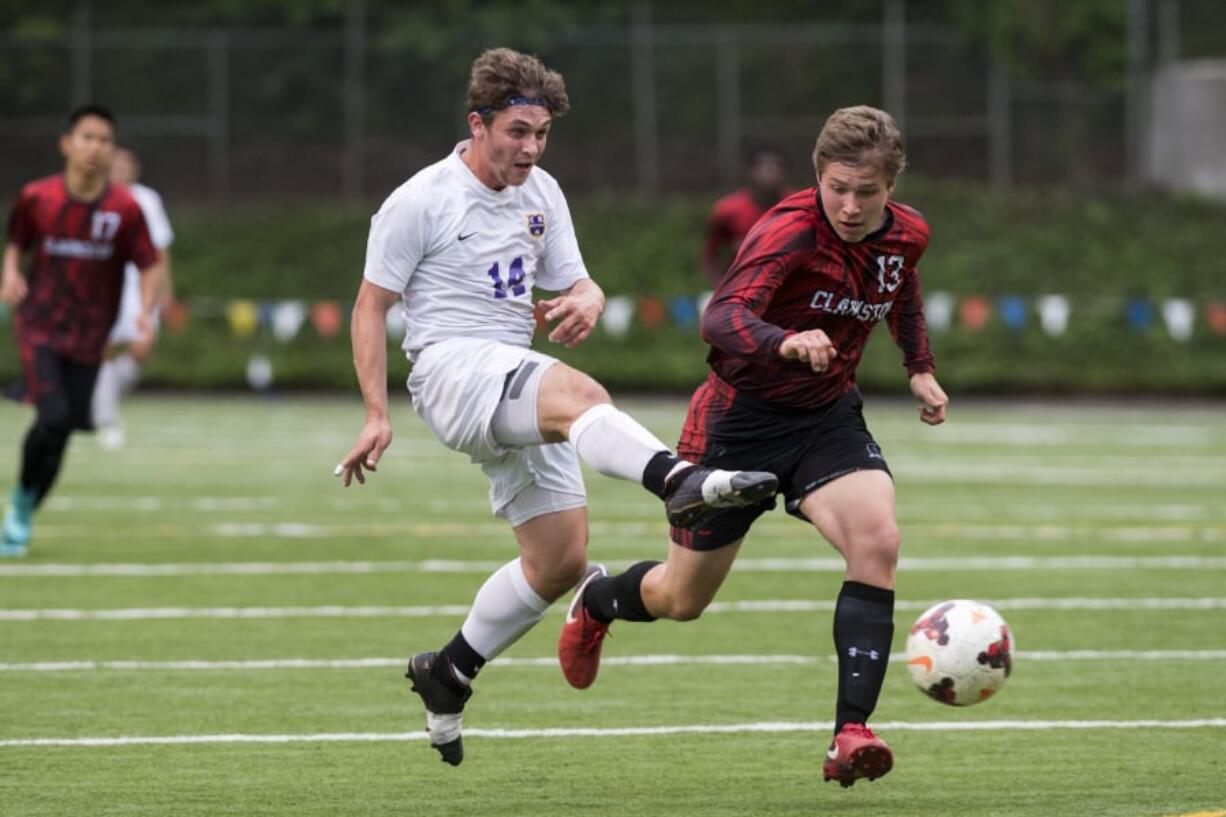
<point>697,493</point>
<point>443,707</point>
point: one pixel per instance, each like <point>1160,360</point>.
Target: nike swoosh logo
<point>923,661</point>
<point>463,237</point>
<point>832,753</point>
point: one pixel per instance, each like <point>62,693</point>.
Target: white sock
<point>128,370</point>
<point>614,443</point>
<point>116,377</point>
<point>106,396</point>
<point>505,608</point>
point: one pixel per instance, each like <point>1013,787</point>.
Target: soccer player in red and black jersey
<point>787,326</point>
<point>736,213</point>
<point>81,231</point>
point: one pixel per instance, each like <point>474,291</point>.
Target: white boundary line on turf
<point>608,661</point>
<point>630,731</point>
<point>760,606</point>
<point>768,565</point>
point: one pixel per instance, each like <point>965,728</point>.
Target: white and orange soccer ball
<point>960,652</point>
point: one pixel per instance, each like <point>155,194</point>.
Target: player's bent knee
<point>684,608</point>
<point>881,549</point>
<point>555,572</point>
<point>569,570</point>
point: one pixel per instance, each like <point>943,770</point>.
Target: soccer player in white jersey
<point>462,244</point>
<point>126,348</point>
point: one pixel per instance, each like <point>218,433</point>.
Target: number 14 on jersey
<point>514,282</point>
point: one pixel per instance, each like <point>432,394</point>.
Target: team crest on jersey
<point>536,224</point>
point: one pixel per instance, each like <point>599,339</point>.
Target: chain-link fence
<point>237,114</point>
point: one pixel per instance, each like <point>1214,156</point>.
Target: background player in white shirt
<point>127,348</point>
<point>462,244</point>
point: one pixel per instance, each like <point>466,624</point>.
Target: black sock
<point>863,628</point>
<point>657,471</point>
<point>42,455</point>
<point>460,655</point>
<point>619,596</point>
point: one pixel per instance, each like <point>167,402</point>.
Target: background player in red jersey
<point>787,326</point>
<point>734,214</point>
<point>80,230</point>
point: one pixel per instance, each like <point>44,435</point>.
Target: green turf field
<point>213,581</point>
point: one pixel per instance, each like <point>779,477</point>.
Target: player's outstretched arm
<point>931,396</point>
<point>577,310</point>
<point>13,289</point>
<point>369,335</point>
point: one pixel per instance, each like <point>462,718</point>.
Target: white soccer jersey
<point>162,236</point>
<point>466,258</point>
<point>155,215</point>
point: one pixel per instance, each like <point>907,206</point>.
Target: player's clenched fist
<point>812,347</point>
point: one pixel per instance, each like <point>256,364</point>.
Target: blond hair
<point>501,75</point>
<point>860,135</point>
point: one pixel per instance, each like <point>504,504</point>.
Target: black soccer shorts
<point>805,448</point>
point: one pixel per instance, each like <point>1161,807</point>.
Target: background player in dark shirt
<point>787,325</point>
<point>81,231</point>
<point>733,215</point>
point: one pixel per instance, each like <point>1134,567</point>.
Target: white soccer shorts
<point>456,388</point>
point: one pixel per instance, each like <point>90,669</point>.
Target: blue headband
<point>515,100</point>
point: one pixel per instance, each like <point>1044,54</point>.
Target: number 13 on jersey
<point>514,282</point>
<point>889,272</point>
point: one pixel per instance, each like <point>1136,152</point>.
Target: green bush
<point>1098,250</point>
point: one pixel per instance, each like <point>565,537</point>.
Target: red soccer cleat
<point>856,752</point>
<point>582,637</point>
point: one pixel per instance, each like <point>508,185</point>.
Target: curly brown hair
<point>501,74</point>
<point>861,134</point>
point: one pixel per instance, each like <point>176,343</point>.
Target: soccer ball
<point>960,652</point>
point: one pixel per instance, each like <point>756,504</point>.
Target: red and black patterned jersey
<point>730,221</point>
<point>792,274</point>
<point>80,249</point>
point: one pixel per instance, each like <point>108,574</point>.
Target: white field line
<point>631,731</point>
<point>758,606</point>
<point>655,528</point>
<point>608,661</point>
<point>781,565</point>
<point>645,506</point>
<point>1195,475</point>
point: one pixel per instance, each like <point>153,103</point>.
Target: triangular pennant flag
<point>265,312</point>
<point>682,311</point>
<point>243,317</point>
<point>1139,313</point>
<point>651,312</point>
<point>975,312</point>
<point>326,318</point>
<point>939,310</point>
<point>1013,312</point>
<point>618,312</point>
<point>287,320</point>
<point>1215,316</point>
<point>1179,317</point>
<point>1053,314</point>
